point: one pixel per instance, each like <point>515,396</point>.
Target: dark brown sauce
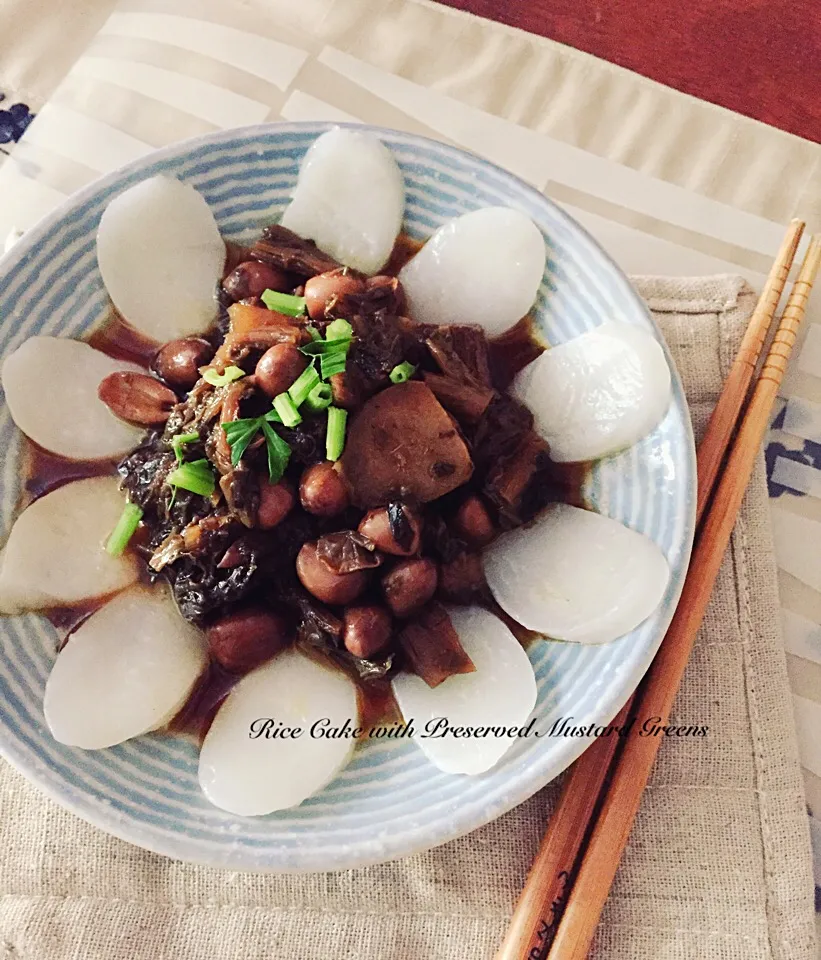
<point>377,705</point>
<point>199,711</point>
<point>513,350</point>
<point>404,249</point>
<point>121,341</point>
<point>235,254</point>
<point>44,471</point>
<point>570,479</point>
<point>375,701</point>
<point>65,620</point>
<point>524,635</point>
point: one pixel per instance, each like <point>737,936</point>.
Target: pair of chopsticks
<point>559,909</point>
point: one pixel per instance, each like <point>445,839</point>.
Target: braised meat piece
<point>466,401</point>
<point>520,484</point>
<point>461,352</point>
<point>403,445</point>
<point>432,647</point>
<point>503,426</point>
<point>280,247</point>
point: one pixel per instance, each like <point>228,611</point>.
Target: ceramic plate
<point>389,801</point>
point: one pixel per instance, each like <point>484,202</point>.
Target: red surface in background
<point>761,58</point>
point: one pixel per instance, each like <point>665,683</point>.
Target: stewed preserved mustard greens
<point>311,493</point>
<point>252,465</point>
<point>335,463</point>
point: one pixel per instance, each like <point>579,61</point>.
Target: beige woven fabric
<point>717,867</point>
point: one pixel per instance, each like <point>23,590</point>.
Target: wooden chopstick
<point>539,908</point>
<point>722,423</point>
<point>632,769</point>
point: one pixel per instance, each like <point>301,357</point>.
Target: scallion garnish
<point>284,406</point>
<point>124,530</point>
<point>402,372</point>
<point>313,332</point>
<point>178,442</point>
<point>284,303</point>
<point>319,347</point>
<point>335,435</point>
<point>332,363</point>
<point>338,329</point>
<point>333,350</point>
<point>302,386</point>
<point>333,354</point>
<point>319,398</point>
<point>239,433</point>
<point>197,476</point>
<point>279,453</point>
<point>222,379</point>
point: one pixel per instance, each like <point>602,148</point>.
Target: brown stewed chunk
<point>462,580</point>
<point>243,640</point>
<point>473,522</point>
<point>367,630</point>
<point>323,582</point>
<point>432,647</point>
<point>395,529</point>
<point>403,443</point>
<point>282,248</point>
<point>136,397</point>
<point>178,362</point>
<point>252,278</point>
<point>409,585</point>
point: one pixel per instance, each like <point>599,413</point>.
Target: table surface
<point>756,57</point>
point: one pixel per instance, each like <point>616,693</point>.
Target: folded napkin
<point>717,867</point>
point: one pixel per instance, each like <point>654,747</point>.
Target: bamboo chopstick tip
<point>811,262</point>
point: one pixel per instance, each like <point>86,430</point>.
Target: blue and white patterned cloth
<point>14,119</point>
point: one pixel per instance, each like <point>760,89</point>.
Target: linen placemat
<point>717,867</point>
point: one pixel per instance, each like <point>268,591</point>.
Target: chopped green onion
<point>303,385</point>
<point>178,442</point>
<point>284,406</point>
<point>279,453</point>
<point>402,372</point>
<point>239,433</point>
<point>222,379</point>
<point>319,398</point>
<point>124,530</point>
<point>197,476</point>
<point>318,347</point>
<point>332,353</point>
<point>335,436</point>
<point>284,303</point>
<point>338,329</point>
<point>313,332</point>
<point>332,363</point>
